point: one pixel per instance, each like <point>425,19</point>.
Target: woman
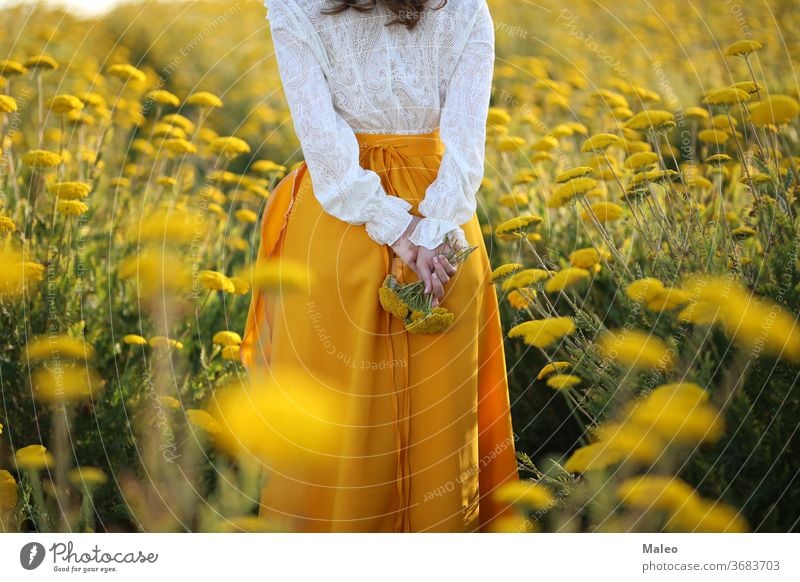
<point>389,99</point>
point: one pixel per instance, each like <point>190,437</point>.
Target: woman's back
<point>384,78</point>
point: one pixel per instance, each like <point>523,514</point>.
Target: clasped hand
<point>430,265</point>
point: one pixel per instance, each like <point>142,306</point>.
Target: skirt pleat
<point>428,436</point>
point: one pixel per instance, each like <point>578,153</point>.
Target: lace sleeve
<point>450,199</point>
<point>344,189</point>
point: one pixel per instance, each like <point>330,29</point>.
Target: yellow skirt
<point>431,438</point>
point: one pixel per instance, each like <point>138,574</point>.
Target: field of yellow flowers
<point>640,205</point>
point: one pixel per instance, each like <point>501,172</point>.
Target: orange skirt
<point>430,437</point>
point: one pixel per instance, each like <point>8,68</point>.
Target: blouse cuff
<point>390,220</point>
<point>431,232</point>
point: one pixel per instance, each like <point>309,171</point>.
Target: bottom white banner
<point>388,557</point>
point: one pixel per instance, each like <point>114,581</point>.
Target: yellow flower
<point>545,144</point>
<point>7,104</point>
<point>631,441</point>
<point>170,402</point>
<point>552,368</point>
<point>668,299</point>
<point>774,110</point>
<point>70,190</point>
<point>126,73</point>
<point>699,313</point>
<point>518,226</point>
<point>436,321</point>
<point>728,96</point>
<point>164,98</point>
<point>285,274</point>
<point>7,225</point>
<point>203,420</point>
<point>743,232</point>
<point>156,271</point>
<point>15,274</point>
<point>392,302</point>
<point>563,381</point>
<point>62,346</point>
<point>651,119</point>
<point>8,492</point>
<point>643,290</point>
<point>566,278</point>
<point>521,298</point>
<point>134,340</point>
<point>641,161</point>
<point>509,143</point>
<point>33,458</point>
<point>683,393</point>
<point>704,516</point>
<point>71,207</point>
<point>603,211</point>
<point>513,200</point>
<point>165,130</point>
<point>227,338</point>
<point>600,142</point>
<point>230,353</point>
<point>679,420</point>
<point>161,342</point>
<point>591,457</point>
<point>517,523</point>
<point>164,226</point>
<point>266,167</point>
<point>216,281</point>
<point>718,159</point>
<point>541,333</point>
<point>504,271</point>
<point>180,121</point>
<point>42,62</point>
<point>755,323</point>
<point>285,418</point>
<point>65,383</point>
<point>41,159</point>
<point>9,68</point>
<point>575,187</point>
<point>229,146</point>
<point>204,99</point>
<point>526,493</point>
<point>178,146</point>
<point>87,477</point>
<point>63,104</point>
<point>574,173</point>
<point>246,215</point>
<point>657,492</point>
<point>498,116</point>
<point>240,286</point>
<point>587,258</point>
<point>742,48</point>
<point>713,136</point>
<point>525,278</point>
<point>92,99</point>
<point>636,349</point>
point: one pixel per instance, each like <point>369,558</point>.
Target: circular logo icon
<point>31,555</point>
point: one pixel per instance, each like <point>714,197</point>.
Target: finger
<point>441,272</point>
<point>438,288</point>
<point>448,267</point>
<point>425,275</point>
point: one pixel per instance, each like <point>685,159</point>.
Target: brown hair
<point>408,11</point>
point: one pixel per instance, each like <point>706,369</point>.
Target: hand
<point>435,270</point>
<point>405,250</point>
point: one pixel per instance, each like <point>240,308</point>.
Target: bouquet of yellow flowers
<point>409,302</point>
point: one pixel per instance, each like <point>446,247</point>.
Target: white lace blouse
<point>348,73</point>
